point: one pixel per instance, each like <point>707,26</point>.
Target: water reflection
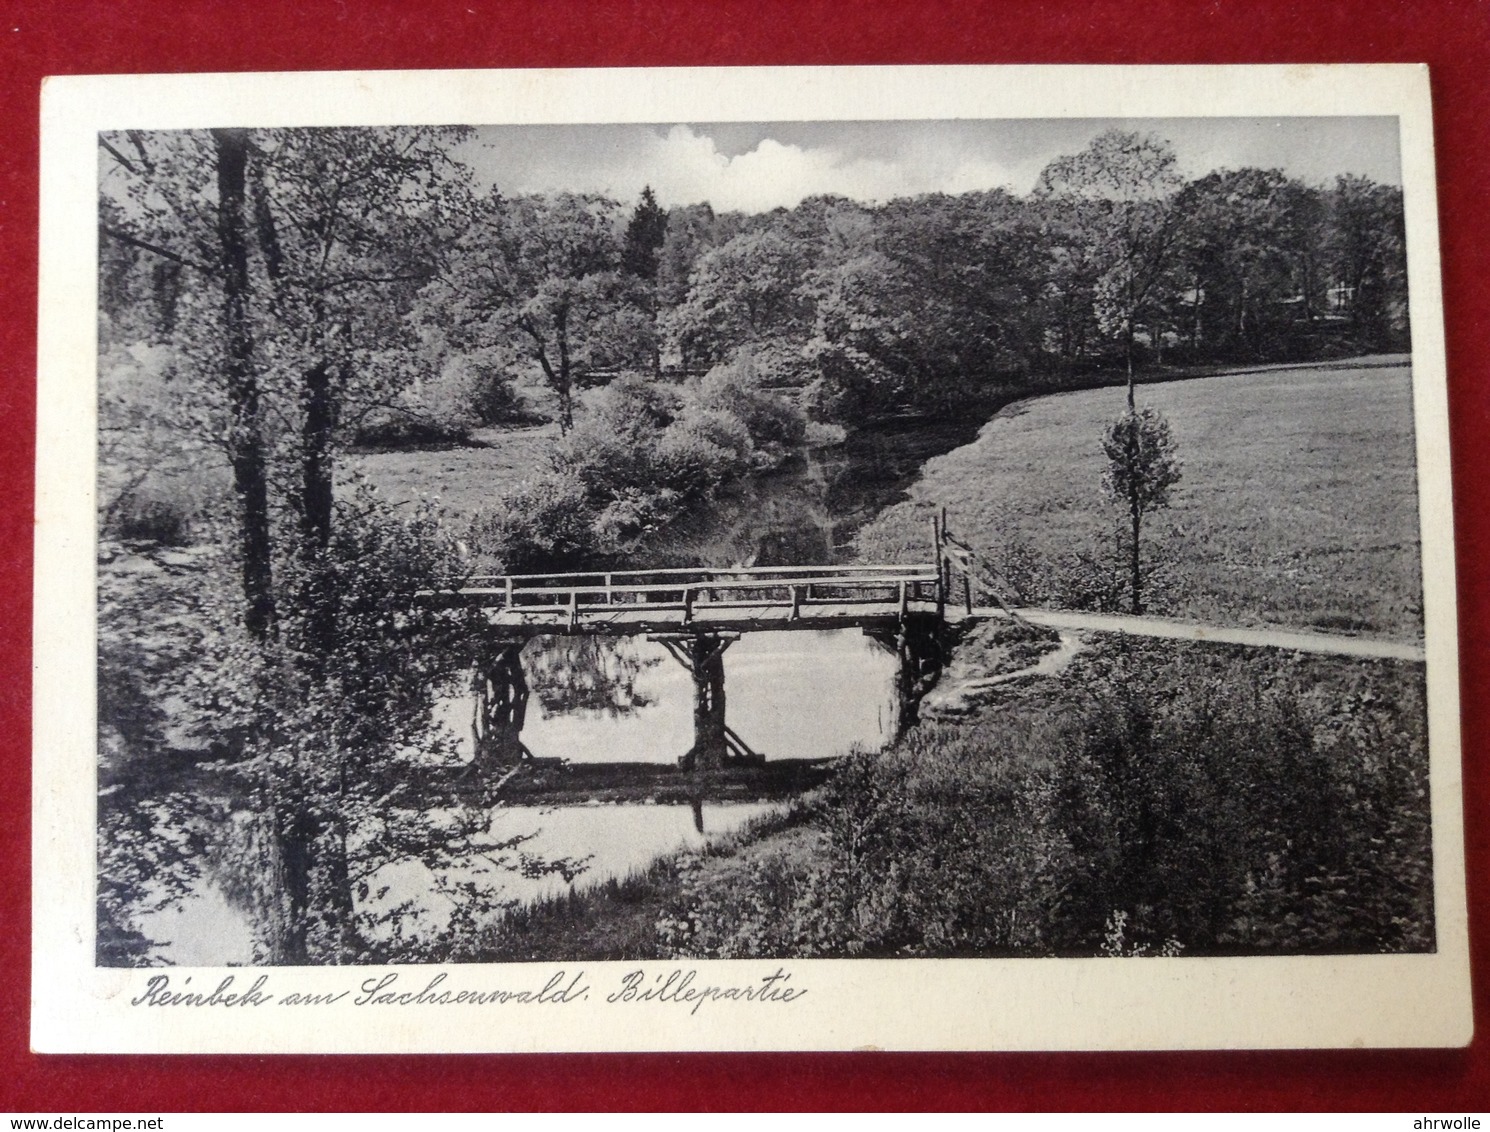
<point>204,928</point>
<point>589,674</point>
<point>792,694</point>
<point>618,840</point>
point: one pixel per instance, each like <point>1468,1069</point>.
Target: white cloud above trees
<point>753,167</point>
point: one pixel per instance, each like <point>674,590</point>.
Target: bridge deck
<point>633,620</point>
<point>662,601</point>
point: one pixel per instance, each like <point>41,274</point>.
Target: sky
<point>757,166</point>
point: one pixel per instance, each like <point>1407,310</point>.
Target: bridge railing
<point>688,589</point>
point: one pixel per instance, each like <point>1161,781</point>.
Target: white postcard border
<point>1181,1003</point>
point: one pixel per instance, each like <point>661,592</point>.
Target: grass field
<point>460,481</point>
<point>1298,503</point>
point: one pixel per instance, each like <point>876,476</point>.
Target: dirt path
<point>1291,639</point>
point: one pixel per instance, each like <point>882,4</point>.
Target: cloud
<point>754,167</point>
<point>685,166</point>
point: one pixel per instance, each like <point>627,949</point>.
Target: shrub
<point>641,453</point>
<point>631,515</point>
<point>772,421</point>
<point>165,521</point>
<point>701,450</point>
<point>1196,801</point>
<point>543,526</point>
<point>443,409</point>
<point>494,400</point>
<point>169,509</point>
<point>612,448</point>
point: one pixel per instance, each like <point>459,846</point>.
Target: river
<point>617,703</point>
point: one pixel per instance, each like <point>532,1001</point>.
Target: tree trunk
<point>1137,517</point>
<point>1195,324</point>
<point>318,404</point>
<point>1128,344</point>
<point>245,436</point>
<point>566,377</point>
<point>314,854</point>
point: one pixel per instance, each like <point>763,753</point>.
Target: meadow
<point>1297,506</point>
<point>460,481</point>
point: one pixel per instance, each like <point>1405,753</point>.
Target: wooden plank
<point>620,621</point>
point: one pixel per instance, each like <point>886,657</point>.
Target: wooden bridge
<point>700,600</point>
<point>696,614</point>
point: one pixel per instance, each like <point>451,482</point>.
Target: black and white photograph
<point>648,543</point>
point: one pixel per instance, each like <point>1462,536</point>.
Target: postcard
<point>926,558</point>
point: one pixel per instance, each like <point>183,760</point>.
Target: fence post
<point>687,604</point>
<point>608,599</point>
<point>936,545</point>
<point>902,599</point>
<point>508,593</point>
<point>796,602</point>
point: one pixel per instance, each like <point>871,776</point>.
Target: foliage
<point>1118,199</point>
<point>642,453</point>
<point>1142,465</point>
<point>540,276</point>
<point>646,232</point>
<point>1142,468</point>
<point>1191,802</point>
<point>543,526</point>
<point>745,291</point>
<point>1252,264</point>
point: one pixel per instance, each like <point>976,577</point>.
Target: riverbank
<point>1277,805</point>
<point>1010,779</point>
<point>1278,519</point>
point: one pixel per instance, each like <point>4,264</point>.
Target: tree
<point>1120,192</point>
<point>1249,250</point>
<point>1142,467</point>
<point>1366,242</point>
<point>540,276</point>
<point>744,292</point>
<point>305,248</point>
<point>928,304</point>
<point>244,433</point>
<point>645,233</point>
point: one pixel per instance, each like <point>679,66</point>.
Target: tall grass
<point>1188,800</point>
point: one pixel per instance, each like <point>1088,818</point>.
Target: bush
<point>640,455</point>
<point>701,450</point>
<point>443,409</point>
<point>736,388</point>
<point>1198,801</point>
<point>165,521</point>
<point>494,400</point>
<point>171,510</point>
<point>544,526</point>
<point>611,449</point>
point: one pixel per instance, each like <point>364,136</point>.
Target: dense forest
<point>271,298</point>
<point>373,296</point>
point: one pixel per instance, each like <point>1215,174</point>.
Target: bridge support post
<point>702,654</point>
<point>916,645</point>
<point>501,706</point>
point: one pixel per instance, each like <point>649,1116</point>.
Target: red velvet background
<point>112,36</point>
